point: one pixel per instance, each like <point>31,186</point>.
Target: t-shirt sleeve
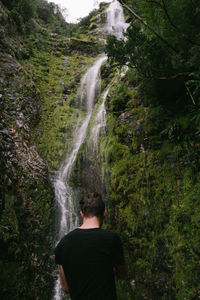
<point>57,252</point>
<point>117,251</point>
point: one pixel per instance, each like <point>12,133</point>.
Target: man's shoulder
<point>93,232</point>
<point>71,233</point>
<point>68,235</point>
<point>110,234</point>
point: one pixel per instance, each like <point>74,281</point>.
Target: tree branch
<point>148,26</point>
<point>174,76</point>
<point>192,98</point>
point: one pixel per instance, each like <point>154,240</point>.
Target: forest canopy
<point>49,14</point>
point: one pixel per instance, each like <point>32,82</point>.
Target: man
<point>89,257</point>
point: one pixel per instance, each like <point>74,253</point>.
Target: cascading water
<point>115,22</point>
<point>100,121</point>
<point>63,191</point>
<point>90,83</point>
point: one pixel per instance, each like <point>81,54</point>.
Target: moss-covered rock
<point>26,195</point>
<point>154,194</point>
<point>40,73</point>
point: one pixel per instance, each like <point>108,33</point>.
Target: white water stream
<point>115,21</point>
<point>100,122</point>
<point>63,192</point>
<point>68,219</point>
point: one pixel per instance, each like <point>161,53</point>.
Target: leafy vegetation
<point>49,15</point>
<point>152,148</point>
<point>58,89</point>
<point>153,188</point>
<point>163,46</point>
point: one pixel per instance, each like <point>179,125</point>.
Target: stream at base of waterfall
<point>68,218</point>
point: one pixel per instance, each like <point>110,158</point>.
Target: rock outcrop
<point>26,195</point>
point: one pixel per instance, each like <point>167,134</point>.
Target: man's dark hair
<point>92,205</point>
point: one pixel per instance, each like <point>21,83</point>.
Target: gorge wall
<point>26,196</point>
<point>40,75</point>
<point>145,161</point>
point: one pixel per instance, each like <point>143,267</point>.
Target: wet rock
<point>53,34</point>
<point>61,83</point>
<point>93,26</point>
<point>65,62</point>
<point>129,133</point>
<point>142,149</point>
<point>172,159</point>
<point>59,102</point>
<point>138,127</point>
<point>125,117</point>
<point>63,129</point>
<point>20,123</point>
<point>5,131</point>
<point>66,91</point>
<point>13,113</point>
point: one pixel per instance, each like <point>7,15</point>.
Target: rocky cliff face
<point>26,195</point>
<point>40,73</point>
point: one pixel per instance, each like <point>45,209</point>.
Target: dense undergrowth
<point>154,197</point>
<point>152,150</point>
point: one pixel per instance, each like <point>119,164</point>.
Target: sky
<point>76,9</point>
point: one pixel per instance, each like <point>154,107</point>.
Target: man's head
<point>92,205</point>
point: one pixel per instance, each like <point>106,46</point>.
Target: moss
<point>40,76</point>
<point>85,45</point>
<point>154,197</point>
<point>57,83</point>
<point>24,226</point>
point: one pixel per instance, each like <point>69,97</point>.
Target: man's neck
<point>92,222</point>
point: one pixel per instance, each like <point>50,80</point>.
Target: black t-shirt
<point>88,257</point>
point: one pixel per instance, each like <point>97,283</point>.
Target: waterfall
<point>115,23</point>
<point>63,191</point>
<point>89,87</point>
<point>100,122</point>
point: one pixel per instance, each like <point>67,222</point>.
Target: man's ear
<point>105,213</point>
<point>82,215</point>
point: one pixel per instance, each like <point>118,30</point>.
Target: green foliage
<point>22,238</point>
<point>153,184</point>
<point>27,9</point>
<point>45,11</point>
<point>183,241</point>
<point>120,99</point>
<point>51,15</point>
<point>115,50</point>
<point>85,22</point>
<point>162,44</point>
<point>16,273</point>
<point>23,8</point>
<point>57,90</point>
